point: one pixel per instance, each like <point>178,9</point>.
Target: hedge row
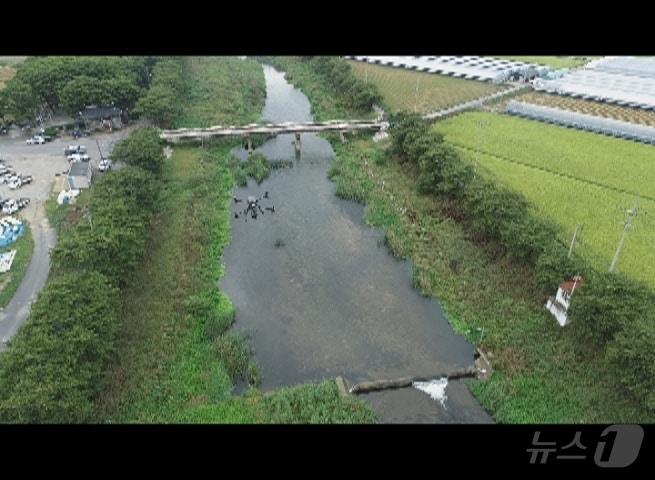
<point>53,368</point>
<point>612,316</point>
<point>493,212</point>
<point>163,102</point>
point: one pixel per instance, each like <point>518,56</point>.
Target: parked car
<point>9,207</point>
<point>79,157</point>
<point>36,140</point>
<point>23,202</point>
<point>19,181</point>
<point>71,149</point>
<point>104,165</point>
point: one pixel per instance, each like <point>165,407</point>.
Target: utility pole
<point>100,151</point>
<point>575,235</point>
<point>416,98</point>
<point>631,215</point>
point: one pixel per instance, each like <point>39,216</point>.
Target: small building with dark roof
<point>103,116</point>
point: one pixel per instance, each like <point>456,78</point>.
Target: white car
<point>79,157</point>
<point>10,207</point>
<point>35,140</point>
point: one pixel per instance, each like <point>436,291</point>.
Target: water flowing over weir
<point>321,296</point>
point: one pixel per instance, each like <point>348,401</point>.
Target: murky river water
<point>331,300</point>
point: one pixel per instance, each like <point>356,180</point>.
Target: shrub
<point>605,305</point>
<point>54,365</point>
<point>631,357</point>
<point>143,149</point>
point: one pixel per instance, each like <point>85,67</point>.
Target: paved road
<point>43,162</point>
<point>15,313</point>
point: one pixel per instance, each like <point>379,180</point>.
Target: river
<point>320,295</point>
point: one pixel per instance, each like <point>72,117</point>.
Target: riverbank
<point>537,378</point>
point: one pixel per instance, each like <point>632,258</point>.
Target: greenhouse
<point>567,118</point>
<point>627,81</point>
<point>469,67</point>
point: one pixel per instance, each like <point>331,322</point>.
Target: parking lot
<point>44,163</point>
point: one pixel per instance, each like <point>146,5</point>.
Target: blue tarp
<point>11,234</point>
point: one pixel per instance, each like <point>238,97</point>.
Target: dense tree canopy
<point>142,149</point>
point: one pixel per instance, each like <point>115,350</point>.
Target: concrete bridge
<point>246,131</point>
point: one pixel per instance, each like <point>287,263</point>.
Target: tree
<point>82,91</point>
<point>141,149</point>
<point>160,105</point>
<point>22,103</point>
<point>53,367</point>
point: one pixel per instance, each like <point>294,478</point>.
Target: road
<point>44,163</point>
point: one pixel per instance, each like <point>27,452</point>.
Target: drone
<point>252,207</point>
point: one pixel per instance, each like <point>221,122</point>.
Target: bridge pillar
<point>342,134</point>
<point>297,143</point>
<point>250,149</point>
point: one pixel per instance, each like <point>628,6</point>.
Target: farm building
<point>99,117</point>
<point>627,81</point>
<point>469,67</point>
<point>583,121</point>
<point>559,304</point>
<point>79,175</point>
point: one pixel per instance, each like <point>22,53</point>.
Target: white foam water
<point>435,388</point>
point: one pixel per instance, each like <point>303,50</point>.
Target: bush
<point>631,357</point>
<point>214,310</point>
<point>53,367</point>
<point>605,305</point>
<point>553,266</point>
<point>142,149</point>
<point>233,352</point>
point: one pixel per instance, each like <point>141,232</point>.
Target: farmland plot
<point>555,168</point>
<point>421,92</point>
<point>617,164</point>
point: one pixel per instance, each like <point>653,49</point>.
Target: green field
<point>221,91</point>
<point>571,177</point>
<point>555,62</point>
<point>421,92</point>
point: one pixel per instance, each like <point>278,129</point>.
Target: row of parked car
<point>77,153</point>
<point>11,206</point>
<point>13,179</point>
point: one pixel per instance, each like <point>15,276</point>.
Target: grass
<point>554,62</point>
<point>11,280</point>
<point>537,377</point>
<point>257,166</point>
<point>399,86</point>
<point>572,177</point>
<point>590,107</point>
<point>6,74</point>
<point>222,91</point>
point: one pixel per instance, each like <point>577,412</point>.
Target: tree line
<point>612,316</point>
<point>53,368</point>
<point>71,83</point>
